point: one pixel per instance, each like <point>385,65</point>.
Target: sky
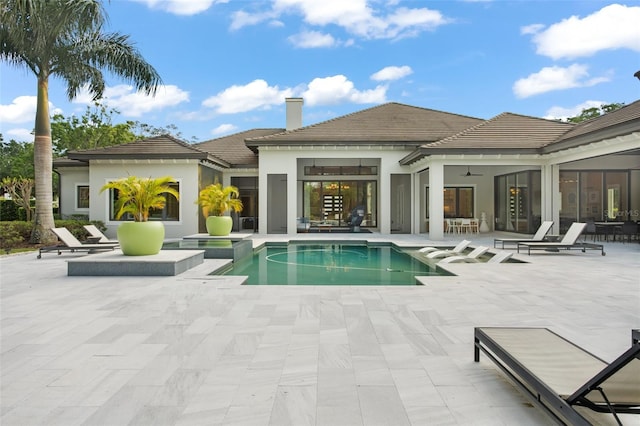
<point>228,65</point>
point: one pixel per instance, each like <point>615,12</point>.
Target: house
<point>404,169</point>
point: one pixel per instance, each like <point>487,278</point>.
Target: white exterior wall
<point>184,171</point>
<point>70,178</point>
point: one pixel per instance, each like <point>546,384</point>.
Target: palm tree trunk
<point>43,165</point>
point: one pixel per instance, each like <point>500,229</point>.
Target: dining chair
<point>465,225</point>
<point>475,226</point>
<point>452,227</point>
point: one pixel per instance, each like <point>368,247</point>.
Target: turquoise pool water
<point>332,264</point>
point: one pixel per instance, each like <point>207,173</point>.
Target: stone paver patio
<point>203,350</point>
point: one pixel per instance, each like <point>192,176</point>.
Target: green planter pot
<point>141,238</point>
<point>218,226</point>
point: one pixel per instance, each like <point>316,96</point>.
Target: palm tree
<point>64,39</point>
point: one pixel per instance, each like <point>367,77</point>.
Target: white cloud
<point>19,135</point>
<point>531,29</point>
<point>392,73</point>
<point>181,7</point>
<point>561,113</point>
<point>312,39</point>
<point>224,129</point>
<point>555,78</point>
<point>240,19</point>
<point>612,27</point>
<point>134,104</point>
<point>258,95</point>
<point>21,110</point>
<point>357,17</point>
<point>338,89</point>
<point>255,95</point>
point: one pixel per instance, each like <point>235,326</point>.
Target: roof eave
<point>146,156</point>
<point>596,136</point>
<point>423,152</point>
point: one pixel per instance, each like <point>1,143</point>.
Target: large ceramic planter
<point>141,238</point>
<point>219,226</point>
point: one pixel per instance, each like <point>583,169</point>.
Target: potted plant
<point>137,196</point>
<point>215,201</point>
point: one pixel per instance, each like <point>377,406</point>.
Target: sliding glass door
<point>331,202</point>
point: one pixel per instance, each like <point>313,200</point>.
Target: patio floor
<point>203,350</point>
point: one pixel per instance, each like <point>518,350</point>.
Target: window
<point>170,212</point>
<point>82,197</point>
<point>458,202</point>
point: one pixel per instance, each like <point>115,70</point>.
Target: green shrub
<point>11,211</point>
<point>17,233</point>
<point>13,234</point>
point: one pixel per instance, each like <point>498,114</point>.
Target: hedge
<point>18,233</point>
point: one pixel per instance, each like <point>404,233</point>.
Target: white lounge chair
<point>458,249</point>
<point>500,257</point>
<point>569,242</point>
<point>540,235</point>
<point>96,233</point>
<point>71,243</point>
<point>438,254</point>
<point>471,257</point>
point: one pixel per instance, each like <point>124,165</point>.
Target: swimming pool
<point>336,263</point>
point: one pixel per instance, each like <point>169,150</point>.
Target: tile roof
<point>232,148</point>
<point>158,147</point>
<point>391,123</point>
<point>621,121</point>
<point>505,131</point>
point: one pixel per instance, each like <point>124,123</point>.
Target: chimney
<point>294,113</point>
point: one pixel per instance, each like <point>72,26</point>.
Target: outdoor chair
<point>569,242</point>
<point>97,234</point>
<point>458,249</point>
<point>471,257</point>
<point>451,226</point>
<point>629,230</point>
<point>559,376</point>
<point>540,235</point>
<point>592,229</point>
<point>499,257</point>
<point>71,243</point>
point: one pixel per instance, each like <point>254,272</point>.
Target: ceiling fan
<point>469,174</point>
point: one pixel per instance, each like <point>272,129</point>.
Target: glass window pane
<point>617,195</point>
<point>465,202</point>
<point>450,206</point>
<point>591,196</point>
<point>82,197</point>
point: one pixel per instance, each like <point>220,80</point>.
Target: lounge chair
<point>569,242</point>
<point>71,243</point>
<point>471,257</point>
<point>97,234</point>
<point>499,257</point>
<point>559,376</point>
<point>540,235</point>
<point>458,249</point>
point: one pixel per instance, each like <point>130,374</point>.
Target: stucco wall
<point>70,178</point>
<point>184,171</point>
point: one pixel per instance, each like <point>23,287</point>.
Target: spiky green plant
<point>139,195</point>
<point>216,200</point>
